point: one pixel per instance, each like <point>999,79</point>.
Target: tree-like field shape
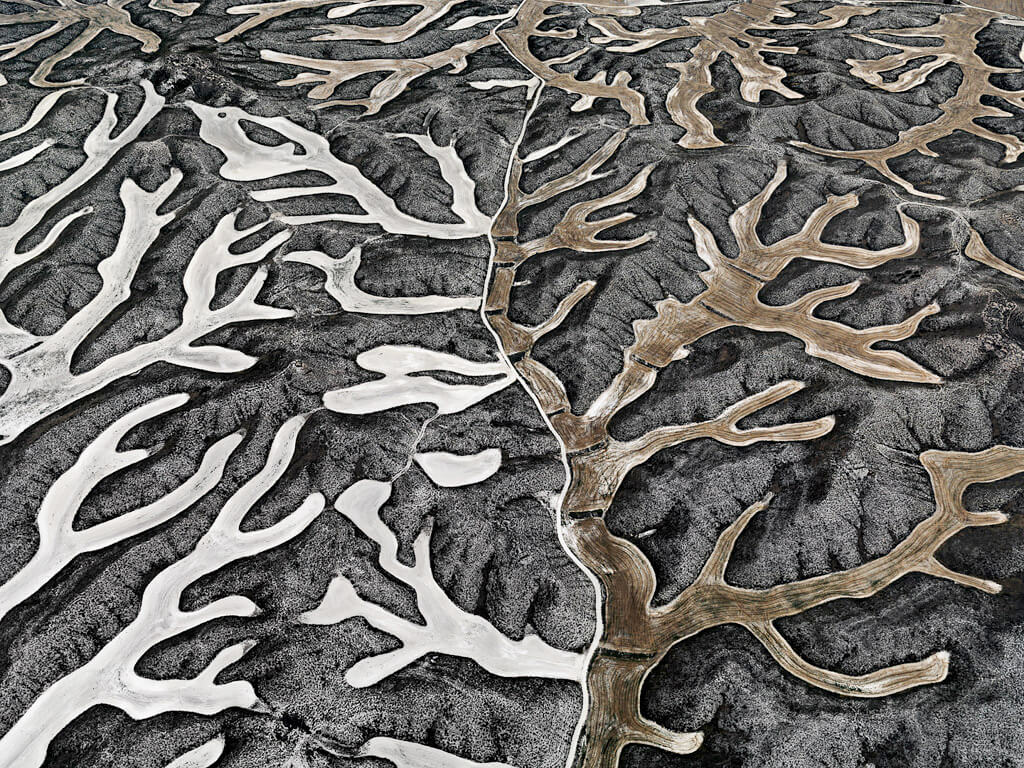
<point>464,384</point>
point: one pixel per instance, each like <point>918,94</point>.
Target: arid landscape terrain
<point>458,384</point>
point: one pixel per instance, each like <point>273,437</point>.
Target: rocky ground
<point>261,243</point>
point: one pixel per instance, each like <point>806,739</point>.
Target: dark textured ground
<point>839,501</point>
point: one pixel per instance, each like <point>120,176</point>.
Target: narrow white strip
<point>203,756</point>
<point>399,388</point>
<point>450,470</point>
<point>409,754</point>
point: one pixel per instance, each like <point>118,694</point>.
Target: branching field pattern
<point>461,384</point>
